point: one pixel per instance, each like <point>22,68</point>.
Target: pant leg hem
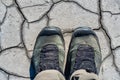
<point>84,75</point>
<point>49,75</point>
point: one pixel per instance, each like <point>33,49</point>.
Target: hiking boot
<point>48,53</point>
<point>84,52</point>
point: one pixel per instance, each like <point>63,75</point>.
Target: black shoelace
<point>49,58</point>
<point>85,59</point>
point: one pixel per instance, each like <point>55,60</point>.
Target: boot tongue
<point>88,66</point>
<point>85,59</point>
<point>49,48</point>
<point>49,57</point>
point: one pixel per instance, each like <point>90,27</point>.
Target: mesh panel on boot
<point>49,58</point>
<point>85,59</point>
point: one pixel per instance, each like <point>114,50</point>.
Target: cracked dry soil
<point>22,20</point>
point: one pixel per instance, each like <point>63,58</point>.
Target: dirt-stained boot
<point>84,55</point>
<point>48,55</point>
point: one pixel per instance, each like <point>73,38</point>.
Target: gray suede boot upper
<point>49,51</point>
<point>84,52</point>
